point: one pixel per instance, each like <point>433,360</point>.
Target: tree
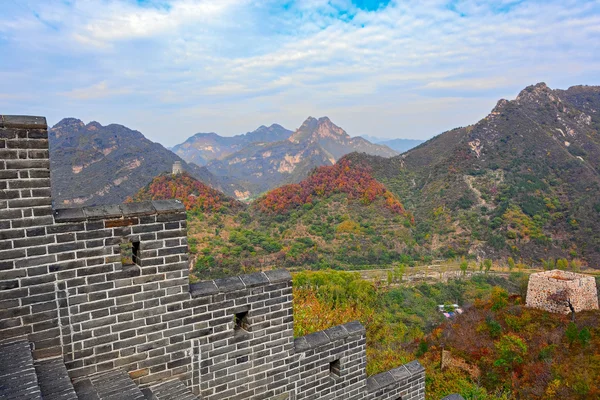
<point>571,333</point>
<point>397,274</point>
<point>499,298</point>
<point>548,264</point>
<point>585,336</point>
<point>562,264</point>
<point>487,263</point>
<point>511,263</point>
<point>511,351</point>
<point>464,265</point>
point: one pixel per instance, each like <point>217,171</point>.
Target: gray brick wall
<point>64,287</point>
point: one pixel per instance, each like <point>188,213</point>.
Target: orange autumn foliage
<point>194,194</point>
<point>355,181</point>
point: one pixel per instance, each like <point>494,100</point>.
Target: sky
<point>387,68</point>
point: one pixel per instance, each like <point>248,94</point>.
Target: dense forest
<point>340,217</point>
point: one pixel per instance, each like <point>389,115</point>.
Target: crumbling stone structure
<point>95,303</point>
<point>552,290</point>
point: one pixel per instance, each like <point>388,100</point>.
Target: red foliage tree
<point>355,181</point>
<point>194,194</point>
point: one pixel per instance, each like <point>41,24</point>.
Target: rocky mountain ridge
<point>203,148</point>
<point>522,182</point>
<point>260,167</point>
<point>93,164</point>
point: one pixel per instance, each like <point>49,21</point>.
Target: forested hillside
<point>523,182</point>
<point>495,349</point>
<point>339,217</point>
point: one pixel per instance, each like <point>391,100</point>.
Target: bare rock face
<point>202,148</point>
<point>93,164</point>
<point>259,167</point>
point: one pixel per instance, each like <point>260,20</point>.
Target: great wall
<point>76,322</point>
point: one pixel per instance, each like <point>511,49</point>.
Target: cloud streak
<point>231,65</point>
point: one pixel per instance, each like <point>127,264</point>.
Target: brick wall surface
<point>64,287</point>
<point>581,290</point>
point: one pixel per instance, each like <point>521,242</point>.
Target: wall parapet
<point>322,338</point>
<point>114,211</point>
<point>230,284</point>
<point>393,376</point>
<point>22,122</point>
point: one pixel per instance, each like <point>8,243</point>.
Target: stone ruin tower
<point>177,168</point>
<point>95,303</point>
<point>549,290</point>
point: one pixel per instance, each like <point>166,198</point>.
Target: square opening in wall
<point>130,253</point>
<point>334,368</point>
<point>241,321</point>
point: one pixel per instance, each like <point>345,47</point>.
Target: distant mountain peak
<point>313,129</point>
<point>93,125</point>
<point>499,106</point>
<point>69,122</point>
<point>536,93</point>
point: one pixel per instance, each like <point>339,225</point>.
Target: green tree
<point>548,264</point>
<point>511,263</point>
<point>585,336</point>
<point>464,265</point>
<point>399,272</point>
<point>511,351</point>
<point>487,263</point>
<point>571,333</point>
<point>499,298</point>
<point>562,264</point>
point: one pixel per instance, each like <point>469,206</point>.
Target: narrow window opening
<point>334,368</point>
<point>130,253</point>
<point>135,250</point>
<point>241,321</point>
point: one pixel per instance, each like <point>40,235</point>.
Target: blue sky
<point>171,68</point>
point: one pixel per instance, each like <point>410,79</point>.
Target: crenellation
<point>68,287</point>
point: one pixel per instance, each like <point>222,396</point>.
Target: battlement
<point>105,289</point>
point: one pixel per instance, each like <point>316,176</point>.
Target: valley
<point>300,200</point>
<point>463,218</point>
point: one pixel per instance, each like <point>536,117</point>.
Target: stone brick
<point>63,285</point>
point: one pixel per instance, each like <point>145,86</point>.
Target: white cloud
<point>242,61</point>
<point>96,91</point>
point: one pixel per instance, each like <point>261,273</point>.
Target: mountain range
<point>262,166</point>
<point>203,148</point>
<point>94,164</point>
<point>399,145</point>
<point>524,182</point>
